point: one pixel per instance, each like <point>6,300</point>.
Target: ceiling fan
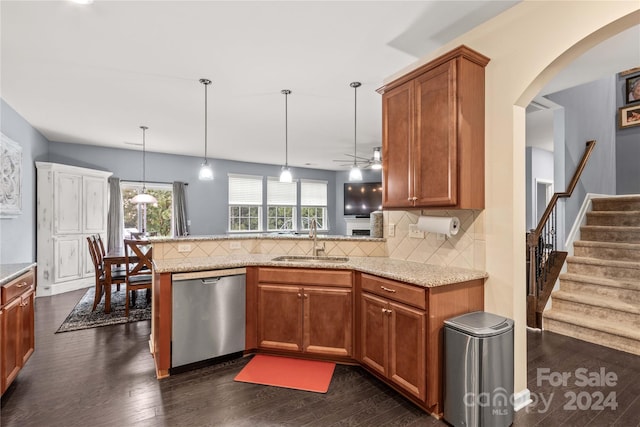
<point>373,162</point>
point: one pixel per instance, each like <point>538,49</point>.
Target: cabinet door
<point>397,137</point>
<point>67,202</point>
<point>27,324</point>
<point>328,321</point>
<point>407,339</point>
<point>374,340</point>
<point>280,317</point>
<point>95,204</point>
<point>68,257</point>
<point>435,148</point>
<point>11,345</point>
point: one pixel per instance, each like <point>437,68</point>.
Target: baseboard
<point>521,399</point>
<point>59,288</point>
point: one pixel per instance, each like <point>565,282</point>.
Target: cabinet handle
<point>414,198</point>
<point>386,311</point>
<point>384,288</point>
<point>22,285</point>
<point>306,295</point>
<point>299,295</point>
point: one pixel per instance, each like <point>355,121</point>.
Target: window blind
<point>313,193</point>
<point>281,193</point>
<point>245,190</point>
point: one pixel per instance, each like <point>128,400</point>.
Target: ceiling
<point>93,74</point>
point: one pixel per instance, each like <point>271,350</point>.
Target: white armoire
<point>71,205</point>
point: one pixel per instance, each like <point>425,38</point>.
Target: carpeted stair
<point>599,296</point>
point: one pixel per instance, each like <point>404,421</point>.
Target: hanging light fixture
<point>206,171</point>
<point>377,159</point>
<point>355,174</point>
<point>144,197</point>
<point>285,174</point>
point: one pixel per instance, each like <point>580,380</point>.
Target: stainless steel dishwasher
<point>208,316</point>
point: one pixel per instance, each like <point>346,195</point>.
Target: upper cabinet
<point>433,134</point>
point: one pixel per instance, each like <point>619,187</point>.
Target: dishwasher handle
<point>209,281</point>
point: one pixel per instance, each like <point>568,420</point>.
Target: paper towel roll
<point>448,226</point>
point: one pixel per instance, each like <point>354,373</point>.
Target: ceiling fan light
<point>285,175</point>
<point>376,165</point>
<point>206,172</point>
<point>355,174</point>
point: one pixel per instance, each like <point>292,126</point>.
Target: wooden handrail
<point>554,199</point>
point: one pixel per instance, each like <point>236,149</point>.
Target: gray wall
<point>589,110</point>
<point>539,165</point>
<point>18,235</point>
<point>627,149</point>
<point>206,200</point>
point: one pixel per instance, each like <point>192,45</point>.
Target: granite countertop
<point>9,272</point>
<point>404,271</point>
<point>273,236</point>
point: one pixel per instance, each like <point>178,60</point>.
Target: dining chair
<point>101,285</point>
<point>138,257</point>
<point>117,271</point>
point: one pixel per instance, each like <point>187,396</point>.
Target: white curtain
<point>115,218</point>
<point>179,210</point>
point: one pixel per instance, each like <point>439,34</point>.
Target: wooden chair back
<point>138,256</point>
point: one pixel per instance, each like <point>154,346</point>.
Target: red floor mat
<point>308,375</point>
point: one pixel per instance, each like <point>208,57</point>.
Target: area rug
<point>307,375</point>
<point>81,317</point>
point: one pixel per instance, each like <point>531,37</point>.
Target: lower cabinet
<point>306,317</point>
<point>393,340</point>
<point>17,327</point>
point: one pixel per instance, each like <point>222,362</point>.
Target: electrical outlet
<point>183,247</point>
<point>415,232</point>
<point>234,245</point>
<point>392,230</point>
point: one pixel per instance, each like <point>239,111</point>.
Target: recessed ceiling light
<point>82,1</point>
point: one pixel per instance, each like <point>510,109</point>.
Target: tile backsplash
<point>466,249</point>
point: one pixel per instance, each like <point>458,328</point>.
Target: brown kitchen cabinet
<point>305,311</point>
<point>17,324</point>
<point>401,332</point>
<point>433,134</point>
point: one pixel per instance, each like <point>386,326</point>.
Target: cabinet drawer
<point>301,276</point>
<point>412,295</point>
<point>16,287</point>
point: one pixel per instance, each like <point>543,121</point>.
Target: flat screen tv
<point>362,198</point>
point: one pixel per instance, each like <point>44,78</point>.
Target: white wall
<point>523,60</point>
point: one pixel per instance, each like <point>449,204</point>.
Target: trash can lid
<point>480,324</point>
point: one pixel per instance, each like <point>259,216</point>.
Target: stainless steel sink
<point>305,258</point>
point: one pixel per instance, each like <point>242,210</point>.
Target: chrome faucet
<point>313,234</point>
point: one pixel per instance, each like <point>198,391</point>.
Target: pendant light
<point>285,174</point>
<point>355,174</point>
<point>206,171</point>
<point>144,197</point>
<point>377,159</point>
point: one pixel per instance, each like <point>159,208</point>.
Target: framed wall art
<point>633,90</point>
<point>10,178</point>
<point>629,116</point>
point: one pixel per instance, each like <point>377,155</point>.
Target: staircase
<point>599,296</point>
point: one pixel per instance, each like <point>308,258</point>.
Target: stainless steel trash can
<point>478,370</point>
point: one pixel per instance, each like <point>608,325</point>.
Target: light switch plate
<point>392,230</point>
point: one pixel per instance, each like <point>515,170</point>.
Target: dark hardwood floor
<point>105,377</point>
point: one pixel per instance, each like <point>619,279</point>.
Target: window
<point>281,205</point>
<point>313,204</point>
<point>154,219</point>
<point>245,203</point>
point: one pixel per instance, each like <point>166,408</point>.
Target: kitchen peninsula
<point>355,305</point>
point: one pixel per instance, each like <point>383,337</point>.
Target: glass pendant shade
<point>377,157</point>
<point>206,172</point>
<point>144,198</point>
<point>285,175</point>
<point>355,174</point>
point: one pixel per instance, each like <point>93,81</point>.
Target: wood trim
<point>251,310</point>
<point>461,51</point>
<point>162,321</point>
<point>302,276</point>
